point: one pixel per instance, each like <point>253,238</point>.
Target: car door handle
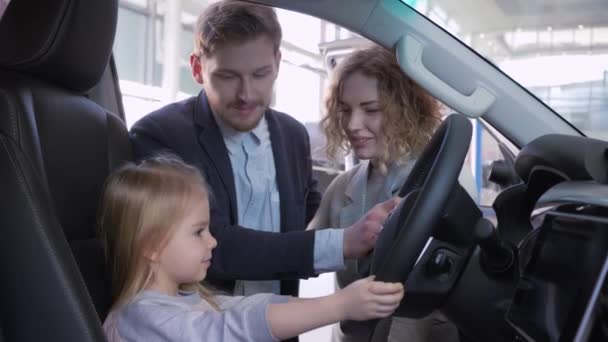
<point>409,54</point>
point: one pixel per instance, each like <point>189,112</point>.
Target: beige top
<point>351,194</point>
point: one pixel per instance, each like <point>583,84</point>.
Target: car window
<point>556,50</point>
<point>491,158</point>
<point>149,78</point>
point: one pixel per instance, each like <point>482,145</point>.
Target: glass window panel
<point>544,38</point>
<point>292,24</point>
<point>524,38</point>
<point>600,35</point>
<point>582,37</point>
<point>157,72</point>
<point>304,103</point>
<point>562,37</point>
<point>330,32</point>
<point>129,45</point>
<point>187,84</point>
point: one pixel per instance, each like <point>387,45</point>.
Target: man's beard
<point>246,126</point>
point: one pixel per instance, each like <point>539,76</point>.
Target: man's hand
<point>361,237</point>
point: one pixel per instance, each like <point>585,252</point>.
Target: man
<point>255,159</point>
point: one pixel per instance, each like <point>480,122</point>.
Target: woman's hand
<point>368,299</point>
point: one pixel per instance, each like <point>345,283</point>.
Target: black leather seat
<point>56,149</point>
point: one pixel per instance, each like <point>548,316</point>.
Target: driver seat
<point>56,149</point>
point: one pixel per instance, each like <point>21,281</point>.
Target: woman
<point>385,119</point>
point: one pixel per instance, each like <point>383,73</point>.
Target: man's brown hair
<point>232,22</point>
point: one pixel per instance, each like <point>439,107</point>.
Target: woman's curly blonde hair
<point>410,114</point>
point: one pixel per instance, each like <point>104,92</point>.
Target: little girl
<point>154,221</point>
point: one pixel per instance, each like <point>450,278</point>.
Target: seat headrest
<point>65,42</point>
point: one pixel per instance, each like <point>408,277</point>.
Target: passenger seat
<point>56,149</point>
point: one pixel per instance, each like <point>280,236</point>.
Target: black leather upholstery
<point>66,42</point>
<point>56,149</point>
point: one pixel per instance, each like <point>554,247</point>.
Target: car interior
<point>58,146</point>
<point>535,269</point>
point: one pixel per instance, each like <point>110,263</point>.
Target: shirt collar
<point>234,138</point>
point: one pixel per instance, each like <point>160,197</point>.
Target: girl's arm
<point>362,300</point>
<point>300,315</point>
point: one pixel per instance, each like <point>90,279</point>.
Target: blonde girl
<point>154,221</point>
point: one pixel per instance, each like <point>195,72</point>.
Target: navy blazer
<point>189,130</point>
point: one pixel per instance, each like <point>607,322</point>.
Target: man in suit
<point>255,159</point>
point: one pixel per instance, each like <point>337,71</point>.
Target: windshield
<point>558,50</point>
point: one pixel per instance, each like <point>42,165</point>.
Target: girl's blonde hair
<point>410,114</point>
<point>140,208</point>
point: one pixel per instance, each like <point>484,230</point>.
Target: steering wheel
<point>425,191</point>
